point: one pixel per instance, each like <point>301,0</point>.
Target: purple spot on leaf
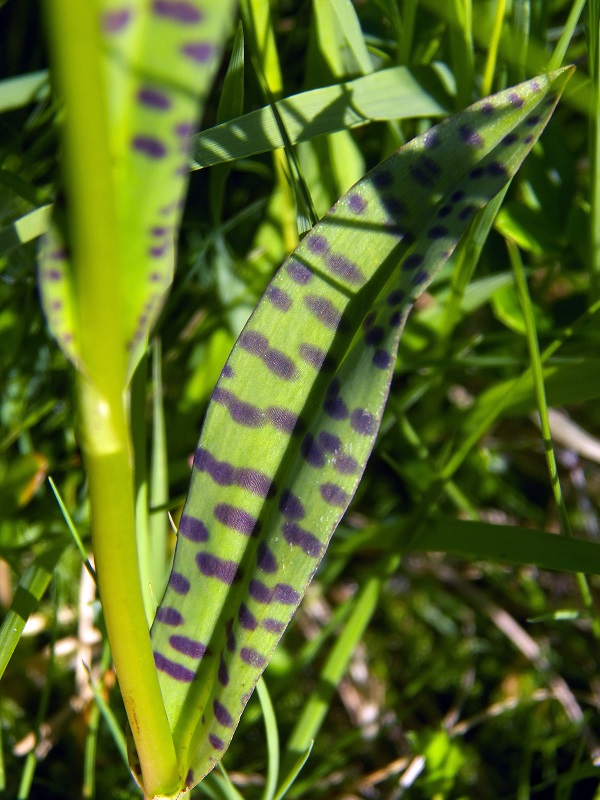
<point>286,594</point>
<point>515,100</point>
<point>154,98</point>
<point>345,464</point>
<point>258,591</point>
<point>252,657</point>
<point>237,519</point>
<point>169,616</point>
<point>306,541</point>
<point>280,364</point>
<point>382,179</point>
<point>115,21</point>
<point>470,137</point>
<point>345,269</point>
<point>174,670</point>
<point>201,52</point>
<point>215,742</point>
<point>298,272</point>
<point>356,203</point>
<point>193,529</point>
<point>324,310</point>
<point>222,716</point>
<point>177,10</point>
<point>334,495</point>
<point>265,559</point>
<point>374,336</point>
<point>149,146</point>
<point>312,355</point>
<point>312,452</point>
<point>412,261</point>
<point>273,625</point>
<point>222,673</point>
<point>282,419</point>
<point>189,647</point>
<point>247,618</point>
<point>317,244</point>
<point>179,583</point>
<point>437,232</point>
<point>279,298</point>
<point>290,505</point>
<point>219,568</point>
<point>254,342</point>
<point>397,296</point>
<point>363,422</point>
<point>329,442</point>
<point>382,359</point>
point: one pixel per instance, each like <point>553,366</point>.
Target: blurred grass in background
<point>424,675</point>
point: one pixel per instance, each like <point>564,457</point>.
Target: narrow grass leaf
<point>30,590</point>
<point>272,739</point>
<point>25,229</point>
<point>22,90</point>
<point>394,93</point>
<point>296,411</point>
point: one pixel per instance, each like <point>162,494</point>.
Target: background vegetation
<point>429,675</point>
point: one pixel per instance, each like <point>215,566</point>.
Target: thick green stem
<point>93,234</point>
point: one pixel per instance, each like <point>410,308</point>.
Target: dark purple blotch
<point>222,716</point>
<point>374,336</point>
<point>470,137</point>
<point>215,742</point>
<point>115,21</point>
<point>149,146</point>
<point>189,647</point>
<point>329,441</point>
<point>237,519</point>
<point>298,272</point>
<point>279,364</point>
<point>252,657</point>
<point>323,309</point>
<point>382,179</point>
<point>279,298</point>
<point>345,269</point>
<point>247,618</point>
<point>214,567</point>
<point>282,419</point>
<point>496,169</point>
<point>431,139</point>
<point>169,616</point>
<point>179,583</point>
<point>312,355</point>
<point>273,625</point>
<point>382,359</point>
<point>286,594</point>
<point>356,203</point>
<point>222,672</point>
<point>290,505</point>
<point>265,560</point>
<point>437,232</point>
<point>254,342</point>
<point>177,10</point>
<point>345,464</point>
<point>334,495</point>
<point>317,244</point>
<point>193,529</point>
<point>515,100</point>
<point>299,537</point>
<point>312,452</point>
<point>412,261</point>
<point>200,52</point>
<point>154,98</point>
<point>259,592</point>
<point>174,670</point>
<point>420,277</point>
<point>362,421</point>
<point>397,296</point>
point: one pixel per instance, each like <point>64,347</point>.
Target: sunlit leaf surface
<point>296,411</point>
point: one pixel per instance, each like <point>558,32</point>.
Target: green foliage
<point>448,684</point>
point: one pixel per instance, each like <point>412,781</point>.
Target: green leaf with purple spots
<point>295,413</point>
<point>160,61</point>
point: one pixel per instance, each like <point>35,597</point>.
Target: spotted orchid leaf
<point>160,60</point>
<point>295,413</point>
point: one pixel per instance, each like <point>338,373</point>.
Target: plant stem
<point>93,235</point>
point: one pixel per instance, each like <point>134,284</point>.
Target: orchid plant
<point>298,405</point>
